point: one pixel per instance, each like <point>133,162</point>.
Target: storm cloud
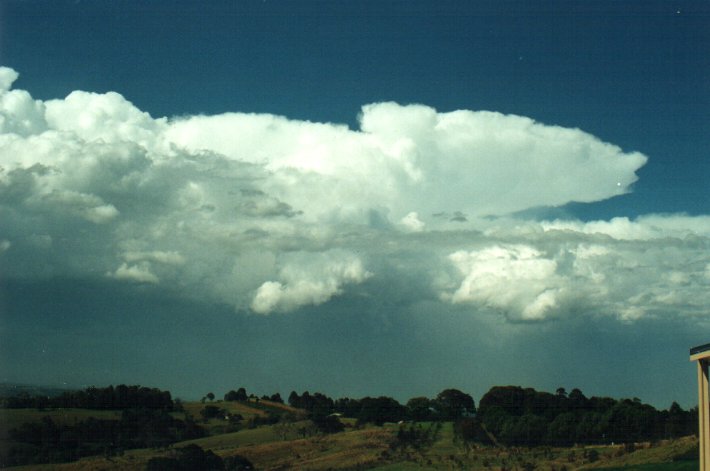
<point>269,214</point>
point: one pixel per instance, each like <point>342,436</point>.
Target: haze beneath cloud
<point>270,215</point>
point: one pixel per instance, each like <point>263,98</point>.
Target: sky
<point>357,198</point>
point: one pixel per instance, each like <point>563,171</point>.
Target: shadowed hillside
<point>513,428</point>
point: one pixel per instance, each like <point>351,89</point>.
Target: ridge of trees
<point>517,416</point>
<point>49,442</point>
<point>450,404</point>
<point>108,398</point>
<point>524,416</point>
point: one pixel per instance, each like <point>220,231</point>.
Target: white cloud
<point>89,207</point>
<point>19,113</point>
<point>515,278</point>
<point>139,273</point>
<point>271,214</point>
<point>107,117</point>
<point>309,279</point>
<point>169,258</point>
<point>413,159</point>
<point>581,271</point>
<point>647,227</point>
<point>7,78</point>
<point>412,222</point>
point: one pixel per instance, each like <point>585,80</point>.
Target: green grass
<point>403,467</point>
<point>245,410</point>
<point>673,466</point>
<point>257,436</point>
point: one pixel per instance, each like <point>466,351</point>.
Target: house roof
<point>700,352</point>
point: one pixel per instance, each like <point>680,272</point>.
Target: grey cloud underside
<point>273,215</point>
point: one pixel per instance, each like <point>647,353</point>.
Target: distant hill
<point>15,389</point>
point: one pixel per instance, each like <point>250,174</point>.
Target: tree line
<point>145,421</point>
<point>516,416</point>
<point>449,404</point>
<point>109,398</point>
<point>49,442</point>
<point>523,416</point>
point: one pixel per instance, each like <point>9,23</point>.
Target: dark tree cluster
<point>378,410</point>
<point>518,416</point>
<point>450,404</point>
<point>317,403</point>
<point>110,398</point>
<point>240,395</point>
<point>211,412</point>
<point>273,398</point>
<point>416,436</point>
<point>193,457</point>
<point>49,442</point>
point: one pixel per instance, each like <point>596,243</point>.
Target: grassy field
<point>672,466</point>
<point>245,410</point>
<point>369,448</point>
<point>673,454</point>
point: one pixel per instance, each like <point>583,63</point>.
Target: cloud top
<point>274,215</point>
<point>414,159</point>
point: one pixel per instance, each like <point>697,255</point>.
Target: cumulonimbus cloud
<point>271,214</point>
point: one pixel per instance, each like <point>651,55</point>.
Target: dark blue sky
<point>635,74</point>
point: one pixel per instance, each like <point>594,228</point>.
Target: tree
<point>239,395</point>
<point>294,400</point>
<point>576,401</point>
<point>231,396</point>
<point>590,429</point>
<point>679,422</point>
<point>211,412</point>
<point>276,398</point>
<point>210,396</point>
<point>327,423</point>
<point>510,398</point>
<point>419,409</point>
<point>380,410</point>
<point>470,430</point>
<point>527,430</point>
<point>453,404</point>
<point>563,430</point>
<point>348,407</point>
<point>494,417</point>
